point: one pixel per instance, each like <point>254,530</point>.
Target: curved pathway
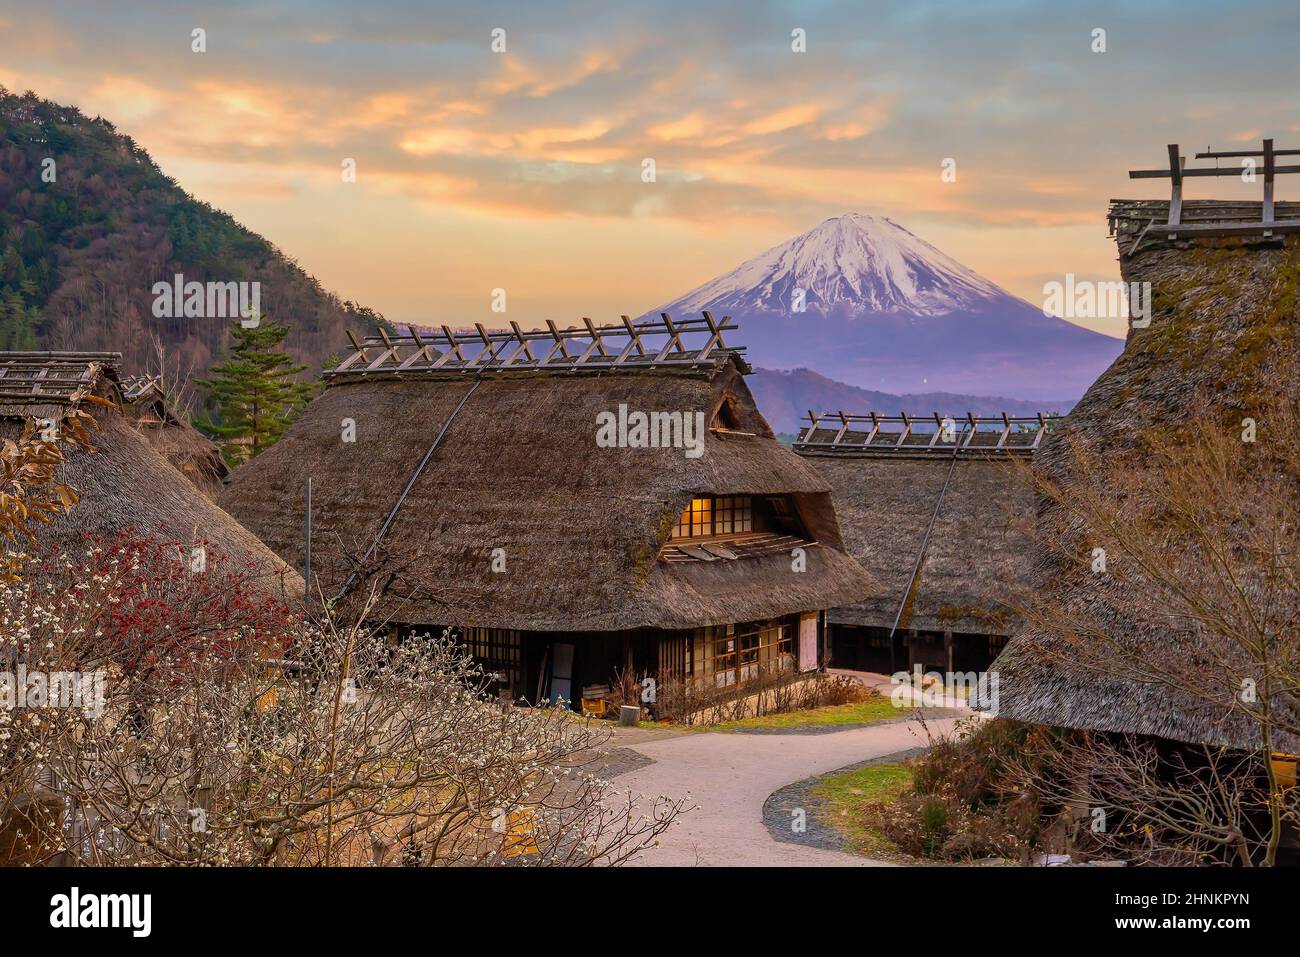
<point>729,776</point>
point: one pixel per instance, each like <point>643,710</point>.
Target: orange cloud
<point>687,127</point>
<point>517,76</point>
<point>537,140</point>
<point>573,144</point>
<point>453,140</point>
<point>857,123</point>
<point>127,99</point>
<point>798,115</point>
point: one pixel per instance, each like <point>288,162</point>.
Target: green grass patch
<point>847,797</point>
<point>870,711</point>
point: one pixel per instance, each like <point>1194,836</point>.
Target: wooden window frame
<point>738,656</point>
<point>710,516</point>
<point>499,651</point>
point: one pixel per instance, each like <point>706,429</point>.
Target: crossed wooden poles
<point>587,346</point>
<point>950,435</point>
<point>1178,172</point>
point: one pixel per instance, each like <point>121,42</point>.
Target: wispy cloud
<point>750,140</point>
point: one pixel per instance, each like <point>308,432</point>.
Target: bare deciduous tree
<point>358,751</point>
<point>1194,607</point>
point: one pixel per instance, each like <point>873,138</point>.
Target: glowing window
<point>716,515</point>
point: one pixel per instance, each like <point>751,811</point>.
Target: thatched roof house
<point>124,484</point>
<point>532,504</point>
<point>192,453</point>
<point>938,512</point>
<point>1224,295</point>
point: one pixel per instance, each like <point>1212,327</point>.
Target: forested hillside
<point>79,255</point>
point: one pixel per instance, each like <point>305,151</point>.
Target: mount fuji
<point>865,301</point>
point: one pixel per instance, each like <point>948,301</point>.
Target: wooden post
<point>938,431</point>
<point>674,342</point>
<point>814,424</point>
<point>523,348</point>
<point>559,343</point>
<point>596,344</point>
<point>306,574</point>
<point>1176,176</point>
<point>1269,170</point>
<point>907,430</point>
<point>875,427</point>
<point>844,427</point>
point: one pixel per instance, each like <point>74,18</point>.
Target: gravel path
<point>729,776</point>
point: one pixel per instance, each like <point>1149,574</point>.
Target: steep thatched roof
<point>518,469</point>
<point>885,497</point>
<point>193,454</point>
<point>1224,311</point>
<point>124,484</point>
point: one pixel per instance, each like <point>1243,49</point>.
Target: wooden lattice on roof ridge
<point>137,387</point>
<point>1172,218</point>
<point>44,378</point>
<point>873,434</point>
<point>660,343</point>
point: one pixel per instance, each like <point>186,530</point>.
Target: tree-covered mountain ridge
<point>89,224</point>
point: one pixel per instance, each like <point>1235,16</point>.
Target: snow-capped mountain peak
<point>884,310</point>
<point>850,262</point>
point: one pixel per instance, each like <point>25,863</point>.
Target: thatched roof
<point>192,453</point>
<point>518,469</point>
<point>124,484</point>
<point>1223,310</point>
<point>885,492</point>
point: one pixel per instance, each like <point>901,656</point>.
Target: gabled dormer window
<point>728,415</point>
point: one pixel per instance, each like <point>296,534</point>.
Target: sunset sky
<point>522,169</point>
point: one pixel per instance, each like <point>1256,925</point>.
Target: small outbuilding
<point>146,404</point>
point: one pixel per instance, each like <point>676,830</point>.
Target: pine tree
<point>252,393</point>
<point>19,322</point>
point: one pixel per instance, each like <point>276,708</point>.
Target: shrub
<point>686,701</point>
<point>965,803</point>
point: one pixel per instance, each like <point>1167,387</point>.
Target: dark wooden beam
<point>1269,171</point>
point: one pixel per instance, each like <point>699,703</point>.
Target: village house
<point>1224,286</point>
<point>126,487</point>
<point>125,484</point>
<point>575,504</point>
<point>938,511</point>
<point>145,404</point>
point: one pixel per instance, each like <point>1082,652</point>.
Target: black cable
<point>383,529</point>
<point>925,543</point>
